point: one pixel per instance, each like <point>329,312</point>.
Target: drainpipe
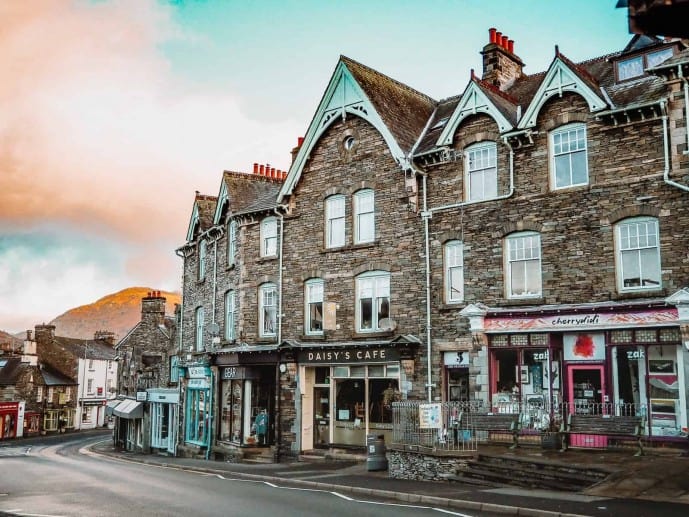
<point>210,417</point>
<point>280,216</point>
<point>686,105</point>
<point>426,215</point>
<point>276,419</point>
<point>666,150</point>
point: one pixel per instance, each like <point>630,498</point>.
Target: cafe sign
<point>358,355</point>
<point>198,372</point>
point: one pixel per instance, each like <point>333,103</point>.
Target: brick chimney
<point>501,66</point>
<point>295,150</point>
<point>44,333</point>
<point>153,308</point>
<point>105,336</point>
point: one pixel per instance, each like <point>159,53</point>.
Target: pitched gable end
<point>344,96</point>
<point>473,101</point>
<point>560,78</point>
<point>223,199</point>
<point>193,222</point>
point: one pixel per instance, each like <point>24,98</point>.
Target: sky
<point>114,112</point>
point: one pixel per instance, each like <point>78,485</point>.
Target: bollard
<point>375,443</point>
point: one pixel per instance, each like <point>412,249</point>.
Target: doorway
<point>321,416</point>
<point>587,393</point>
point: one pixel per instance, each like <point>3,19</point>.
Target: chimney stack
<point>44,333</point>
<point>153,308</point>
<point>501,66</point>
<point>295,150</point>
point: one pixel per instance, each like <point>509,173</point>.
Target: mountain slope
<point>117,312</point>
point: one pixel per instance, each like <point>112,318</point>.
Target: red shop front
<point>11,420</point>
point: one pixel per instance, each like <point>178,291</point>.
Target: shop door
<point>321,416</point>
<point>587,394</point>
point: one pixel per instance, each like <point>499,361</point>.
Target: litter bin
<point>375,443</point>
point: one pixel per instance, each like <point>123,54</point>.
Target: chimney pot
<point>261,169</point>
<point>272,173</point>
<point>255,168</point>
<point>510,46</point>
<point>491,34</point>
<point>300,141</point>
<point>503,43</point>
<point>498,38</point>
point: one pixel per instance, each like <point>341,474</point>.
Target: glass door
<point>321,416</point>
<point>586,389</point>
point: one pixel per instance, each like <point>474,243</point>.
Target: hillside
<point>9,343</point>
<point>117,312</point>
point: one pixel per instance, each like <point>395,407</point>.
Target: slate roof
<point>250,192</point>
<point>404,111</point>
<point>11,371</point>
<point>93,349</point>
<point>54,378</point>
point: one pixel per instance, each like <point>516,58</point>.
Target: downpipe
<point>666,150</point>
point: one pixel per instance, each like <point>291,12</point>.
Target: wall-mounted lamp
<point>283,367</point>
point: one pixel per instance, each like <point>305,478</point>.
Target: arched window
<point>372,301</point>
<point>335,221</point>
<point>481,171</point>
<point>229,315</point>
<point>313,306</point>
<point>269,237</point>
<point>454,271</point>
<point>268,309</point>
<point>198,323</point>
<point>569,166</point>
<point>364,216</point>
<point>523,265</point>
<point>638,254</point>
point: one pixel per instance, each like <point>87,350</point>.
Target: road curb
<point>414,499</point>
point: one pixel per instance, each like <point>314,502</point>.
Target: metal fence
<point>457,426</point>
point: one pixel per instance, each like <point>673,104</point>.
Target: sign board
<point>165,396</point>
<point>198,384</point>
<point>456,359</point>
<point>350,355</point>
<point>141,396</point>
<point>430,416</point>
<point>198,372</point>
<point>584,346</point>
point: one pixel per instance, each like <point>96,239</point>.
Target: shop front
<point>164,414</point>
<point>198,406</point>
<point>614,359</point>
<point>348,391</point>
<point>11,420</point>
<point>456,376</point>
<point>247,377</point>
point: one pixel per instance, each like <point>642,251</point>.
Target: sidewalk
<point>659,483</point>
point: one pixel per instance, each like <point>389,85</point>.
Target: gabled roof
<point>398,112</point>
<point>201,215</point>
<point>241,193</point>
<point>480,97</point>
<point>563,76</point>
<point>86,348</point>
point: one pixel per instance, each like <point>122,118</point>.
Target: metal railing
<point>456,425</point>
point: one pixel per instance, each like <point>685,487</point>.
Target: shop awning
<point>110,406</point>
<point>129,409</point>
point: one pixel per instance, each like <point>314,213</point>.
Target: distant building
<point>146,416</point>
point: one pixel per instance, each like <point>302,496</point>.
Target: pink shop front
<point>614,359</point>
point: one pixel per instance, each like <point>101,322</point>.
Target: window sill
<point>312,337</point>
<point>267,339</point>
<point>536,300</point>
<point>231,267</point>
<point>630,295</point>
<point>444,306</point>
<point>351,247</point>
<point>374,334</point>
<point>271,258</point>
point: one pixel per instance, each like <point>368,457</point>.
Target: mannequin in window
<point>261,426</point>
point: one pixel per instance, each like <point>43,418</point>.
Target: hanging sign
<point>198,372</point>
<point>456,359</point>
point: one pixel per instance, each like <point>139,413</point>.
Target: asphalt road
<point>63,479</point>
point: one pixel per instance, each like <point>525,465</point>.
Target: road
<point>64,479</point>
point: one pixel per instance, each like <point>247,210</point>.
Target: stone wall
<point>419,466</point>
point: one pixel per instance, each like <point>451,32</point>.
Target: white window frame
<point>231,242</point>
<point>230,312</point>
<point>480,164</point>
<point>39,394</point>
<point>454,271</point>
<point>335,221</point>
<point>313,297</point>
<point>267,301</point>
<point>51,394</point>
<point>89,386</point>
<point>522,249</point>
<point>203,252</point>
<point>373,286</point>
<point>364,216</point>
<point>198,328</point>
<point>269,237</point>
<point>567,142</point>
<point>639,239</point>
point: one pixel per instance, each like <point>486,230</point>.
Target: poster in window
<point>584,346</point>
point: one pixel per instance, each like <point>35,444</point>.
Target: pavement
<point>655,484</point>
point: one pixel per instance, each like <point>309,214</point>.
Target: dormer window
<point>635,66</point>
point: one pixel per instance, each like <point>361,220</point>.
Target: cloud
<point>98,132</point>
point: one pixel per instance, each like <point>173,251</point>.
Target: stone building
<point>146,413</point>
<point>89,364</point>
<point>517,247</point>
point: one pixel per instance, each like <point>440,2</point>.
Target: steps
<point>528,473</point>
<point>258,455</point>
<point>334,454</point>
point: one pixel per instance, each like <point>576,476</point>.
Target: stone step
<point>514,463</point>
<point>533,476</point>
<point>512,479</point>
